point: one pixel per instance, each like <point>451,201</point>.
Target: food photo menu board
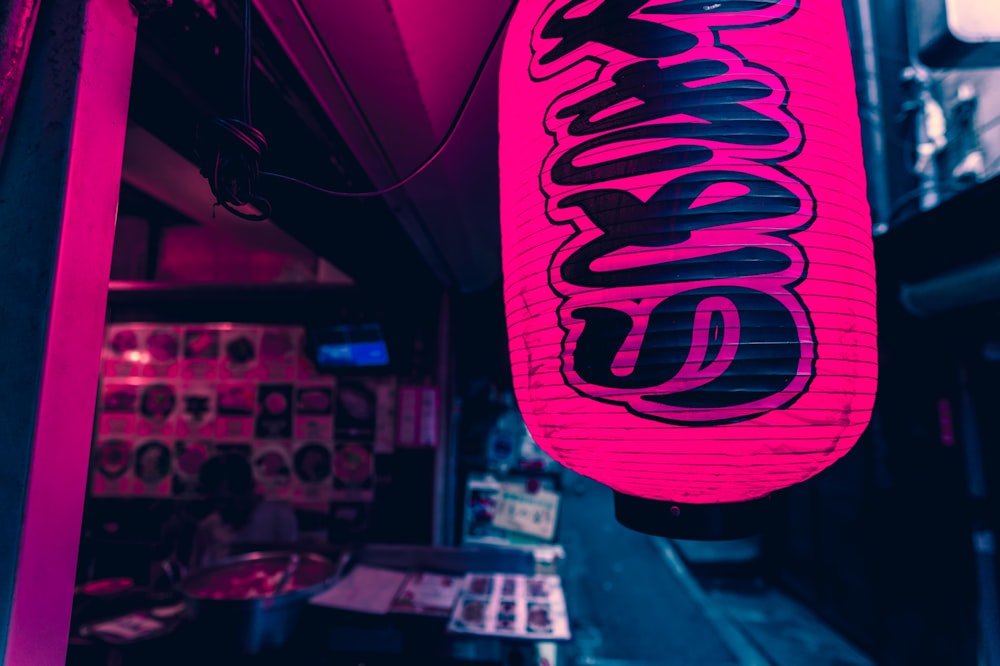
<point>173,396</point>
<point>513,606</point>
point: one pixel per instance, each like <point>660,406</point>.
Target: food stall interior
<point>318,347</point>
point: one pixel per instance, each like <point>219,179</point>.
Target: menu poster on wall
<point>272,468</point>
<point>200,358</point>
<point>353,471</point>
<point>528,512</point>
<point>196,411</point>
<point>278,354</point>
<point>236,405</point>
<point>119,408</point>
<point>274,411</point>
<point>123,355</point>
<point>408,411</point>
<point>314,402</point>
<point>312,466</point>
<point>152,468</point>
<point>385,417</point>
<point>355,415</point>
<point>112,471</point>
<point>418,417</point>
<point>161,353</point>
<point>157,405</point>
<point>189,456</point>
<point>239,352</point>
<point>482,498</point>
<point>428,430</point>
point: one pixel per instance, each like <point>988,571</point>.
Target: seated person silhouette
<point>239,515</point>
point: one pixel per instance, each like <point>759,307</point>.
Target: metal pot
<point>249,626</point>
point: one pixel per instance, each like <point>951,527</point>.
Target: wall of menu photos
<point>172,396</point>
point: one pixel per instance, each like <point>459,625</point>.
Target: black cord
<point>230,150</point>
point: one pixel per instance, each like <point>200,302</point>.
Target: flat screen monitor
<point>350,346</point>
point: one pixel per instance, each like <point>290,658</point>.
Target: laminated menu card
<point>512,606</point>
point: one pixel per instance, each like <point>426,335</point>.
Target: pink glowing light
<point>689,278</point>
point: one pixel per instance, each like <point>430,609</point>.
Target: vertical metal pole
<point>443,476</point>
<point>873,116</point>
<point>59,185</point>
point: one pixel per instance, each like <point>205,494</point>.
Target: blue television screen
<point>360,346</point>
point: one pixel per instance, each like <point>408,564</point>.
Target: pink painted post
<point>689,277</point>
<point>59,186</point>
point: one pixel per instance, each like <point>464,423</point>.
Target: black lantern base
<point>699,522</point>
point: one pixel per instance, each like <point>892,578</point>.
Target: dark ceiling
<point>351,96</point>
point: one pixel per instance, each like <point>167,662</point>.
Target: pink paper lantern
<point>689,278</point>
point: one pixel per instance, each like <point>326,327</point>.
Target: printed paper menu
<point>427,594</point>
<point>513,606</point>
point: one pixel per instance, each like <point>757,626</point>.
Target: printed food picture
<point>122,353</point>
<point>355,409</point>
<point>152,468</point>
<point>481,585</point>
<point>119,408</point>
<point>538,588</point>
<point>314,412</point>
<point>163,350</point>
<point>189,456</point>
<point>112,464</point>
<point>313,466</point>
<point>277,354</point>
<point>239,352</point>
<point>353,471</point>
<point>272,468</point>
<point>157,403</point>
<point>274,411</point>
<point>472,615</point>
<point>235,407</point>
<point>201,353</point>
<point>539,618</point>
<point>313,463</point>
<point>196,411</point>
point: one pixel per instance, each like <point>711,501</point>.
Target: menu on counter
<point>512,606</point>
<point>427,594</point>
<point>364,590</point>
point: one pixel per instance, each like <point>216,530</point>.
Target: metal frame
<point>59,186</point>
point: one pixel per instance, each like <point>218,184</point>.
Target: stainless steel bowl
<point>249,626</point>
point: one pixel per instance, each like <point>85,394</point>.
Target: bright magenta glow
<point>689,278</point>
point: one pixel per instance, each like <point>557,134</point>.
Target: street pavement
<point>633,602</point>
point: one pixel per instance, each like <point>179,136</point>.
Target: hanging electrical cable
<point>230,150</point>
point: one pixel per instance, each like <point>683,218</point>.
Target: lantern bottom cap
<point>697,522</point>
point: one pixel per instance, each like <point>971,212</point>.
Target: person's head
<point>227,483</point>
